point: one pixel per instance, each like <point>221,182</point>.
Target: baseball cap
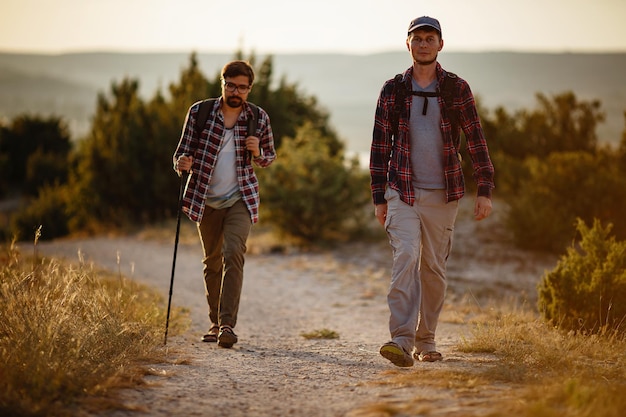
<point>424,21</point>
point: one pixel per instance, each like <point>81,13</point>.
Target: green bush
<point>309,193</point>
<point>48,210</point>
<point>33,152</point>
<point>510,173</point>
<point>44,169</point>
<point>561,188</point>
<point>587,289</point>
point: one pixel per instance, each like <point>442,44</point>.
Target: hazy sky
<point>281,26</point>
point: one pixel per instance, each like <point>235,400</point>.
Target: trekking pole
<point>183,181</point>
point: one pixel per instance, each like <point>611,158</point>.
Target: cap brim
<point>421,25</point>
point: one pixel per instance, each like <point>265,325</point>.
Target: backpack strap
<point>446,91</point>
<point>203,115</point>
<point>424,94</point>
<point>252,125</point>
<point>399,93</point>
<point>252,121</point>
<point>205,108</point>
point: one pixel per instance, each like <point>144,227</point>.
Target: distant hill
<point>346,85</point>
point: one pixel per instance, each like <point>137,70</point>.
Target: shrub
<point>562,188</point>
<point>49,210</point>
<point>587,289</point>
<point>510,173</point>
<point>44,169</point>
<point>309,193</point>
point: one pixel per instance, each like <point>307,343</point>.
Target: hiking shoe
<point>398,356</point>
<point>227,337</point>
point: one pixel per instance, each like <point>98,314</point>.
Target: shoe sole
<point>209,338</point>
<point>226,340</point>
<point>396,356</point>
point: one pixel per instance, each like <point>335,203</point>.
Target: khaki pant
<point>421,240</point>
<point>223,234</point>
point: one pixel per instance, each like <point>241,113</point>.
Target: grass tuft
<point>68,332</point>
<point>320,334</point>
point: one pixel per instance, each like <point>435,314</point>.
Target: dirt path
<point>273,370</point>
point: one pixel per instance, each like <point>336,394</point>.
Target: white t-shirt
<point>224,188</point>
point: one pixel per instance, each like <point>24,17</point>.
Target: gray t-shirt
<point>426,141</point>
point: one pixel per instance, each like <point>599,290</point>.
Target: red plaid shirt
<point>390,160</point>
<point>204,151</point>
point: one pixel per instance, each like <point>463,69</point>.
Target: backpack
<point>446,91</point>
<point>205,109</point>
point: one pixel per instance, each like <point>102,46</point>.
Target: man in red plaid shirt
<point>222,193</point>
<point>417,181</point>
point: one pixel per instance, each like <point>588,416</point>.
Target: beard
<point>234,101</point>
<point>426,62</point>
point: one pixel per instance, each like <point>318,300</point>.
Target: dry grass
<point>516,364</point>
<point>556,373</point>
<point>71,335</point>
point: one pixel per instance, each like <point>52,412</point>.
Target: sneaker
<point>398,356</point>
<point>227,337</point>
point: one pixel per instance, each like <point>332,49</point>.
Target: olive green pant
<point>223,234</point>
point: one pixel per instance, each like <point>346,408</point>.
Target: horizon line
<point>112,51</point>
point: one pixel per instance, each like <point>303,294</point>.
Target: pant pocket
<point>448,235</point>
<point>392,198</point>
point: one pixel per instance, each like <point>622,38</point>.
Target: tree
<point>565,124</point>
<point>114,163</point>
<point>561,123</point>
<point>566,186</point>
<point>193,86</point>
<point>621,151</point>
<point>33,153</point>
<point>121,172</point>
<point>290,109</point>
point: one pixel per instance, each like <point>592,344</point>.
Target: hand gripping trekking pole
<point>183,182</point>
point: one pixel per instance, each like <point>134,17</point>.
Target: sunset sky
<point>291,26</point>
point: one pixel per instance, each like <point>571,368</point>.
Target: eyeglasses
<point>231,87</point>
